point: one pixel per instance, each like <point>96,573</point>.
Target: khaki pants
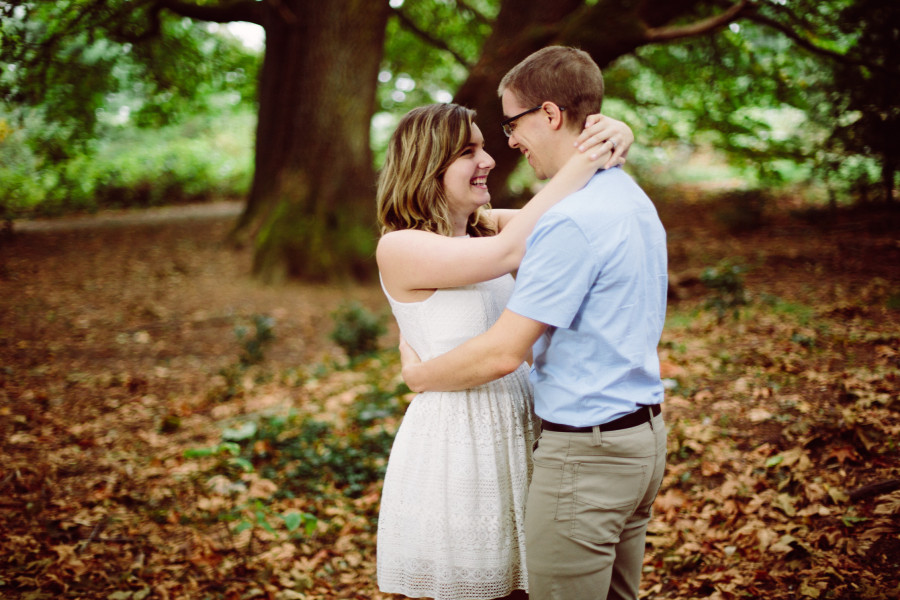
<point>588,508</point>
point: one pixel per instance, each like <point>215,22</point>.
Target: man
<point>590,298</point>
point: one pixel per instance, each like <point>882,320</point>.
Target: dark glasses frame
<point>508,125</point>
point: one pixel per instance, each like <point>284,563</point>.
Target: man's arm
<point>495,353</point>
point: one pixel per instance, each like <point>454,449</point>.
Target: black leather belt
<point>642,415</point>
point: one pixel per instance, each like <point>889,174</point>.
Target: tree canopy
<point>740,77</point>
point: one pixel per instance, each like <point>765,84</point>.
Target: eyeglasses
<point>509,125</point>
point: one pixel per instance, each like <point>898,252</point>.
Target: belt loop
<point>598,436</point>
<point>649,416</point>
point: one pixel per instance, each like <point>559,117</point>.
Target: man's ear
<point>553,114</point>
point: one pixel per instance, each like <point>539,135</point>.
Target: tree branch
<point>238,10</point>
<point>664,34</point>
<point>431,40</point>
<point>154,26</point>
<point>479,16</point>
<point>801,41</point>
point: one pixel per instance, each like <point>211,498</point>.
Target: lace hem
<point>422,578</point>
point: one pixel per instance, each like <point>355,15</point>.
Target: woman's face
<point>465,181</point>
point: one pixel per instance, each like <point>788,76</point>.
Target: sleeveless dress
<point>452,517</point>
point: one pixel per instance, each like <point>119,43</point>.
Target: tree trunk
<point>310,211</point>
<point>887,177</point>
<point>606,30</point>
<point>519,29</point>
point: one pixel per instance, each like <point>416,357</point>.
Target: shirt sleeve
<point>556,273</point>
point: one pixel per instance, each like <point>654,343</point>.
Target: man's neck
<point>563,149</point>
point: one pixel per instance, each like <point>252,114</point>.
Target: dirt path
<point>119,218</point>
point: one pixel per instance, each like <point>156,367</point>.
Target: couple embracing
<point>504,477</point>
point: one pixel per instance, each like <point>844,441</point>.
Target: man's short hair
<point>566,76</point>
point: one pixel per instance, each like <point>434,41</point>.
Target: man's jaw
<point>530,159</point>
<point>527,155</point>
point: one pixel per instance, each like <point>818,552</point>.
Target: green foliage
<point>893,301</point>
<point>726,280</point>
<point>416,72</point>
<point>241,511</point>
<point>306,456</point>
<point>850,519</point>
<point>723,92</point>
<point>377,404</point>
<point>294,520</point>
<point>864,104</point>
<point>748,96</point>
<point>254,344</point>
<point>356,329</point>
<point>801,314</point>
<point>21,187</point>
<point>199,158</point>
<point>211,65</point>
<point>75,87</point>
<point>202,158</point>
<point>265,460</point>
<point>75,60</point>
<point>303,455</point>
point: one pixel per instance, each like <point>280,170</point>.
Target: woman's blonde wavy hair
<point>411,191</point>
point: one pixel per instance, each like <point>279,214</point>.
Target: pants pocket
<point>605,497</point>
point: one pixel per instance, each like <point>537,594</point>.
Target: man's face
<point>527,134</point>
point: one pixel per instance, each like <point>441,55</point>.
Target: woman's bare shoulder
<point>402,241</point>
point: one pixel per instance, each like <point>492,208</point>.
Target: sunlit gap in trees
<point>18,11</point>
<point>384,121</point>
<point>403,84</point>
<point>253,36</point>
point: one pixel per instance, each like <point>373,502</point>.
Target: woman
<point>451,524</point>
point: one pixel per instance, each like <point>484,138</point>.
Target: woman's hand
<point>604,134</point>
<point>408,358</point>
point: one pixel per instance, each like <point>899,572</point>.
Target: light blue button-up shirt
<point>595,271</point>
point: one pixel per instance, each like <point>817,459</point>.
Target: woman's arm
<point>411,259</point>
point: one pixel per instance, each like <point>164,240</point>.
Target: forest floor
<point>171,428</point>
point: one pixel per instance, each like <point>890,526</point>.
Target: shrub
<point>254,345</point>
<point>21,188</point>
<point>126,168</point>
<point>727,281</point>
<point>357,330</point>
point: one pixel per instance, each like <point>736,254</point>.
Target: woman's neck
<point>460,226</point>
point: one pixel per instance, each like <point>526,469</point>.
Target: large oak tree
<point>309,210</point>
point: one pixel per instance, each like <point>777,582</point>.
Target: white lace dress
<point>452,517</point>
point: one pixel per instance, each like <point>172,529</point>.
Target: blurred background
<point>286,107</point>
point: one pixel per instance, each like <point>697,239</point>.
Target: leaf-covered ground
<point>171,429</point>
